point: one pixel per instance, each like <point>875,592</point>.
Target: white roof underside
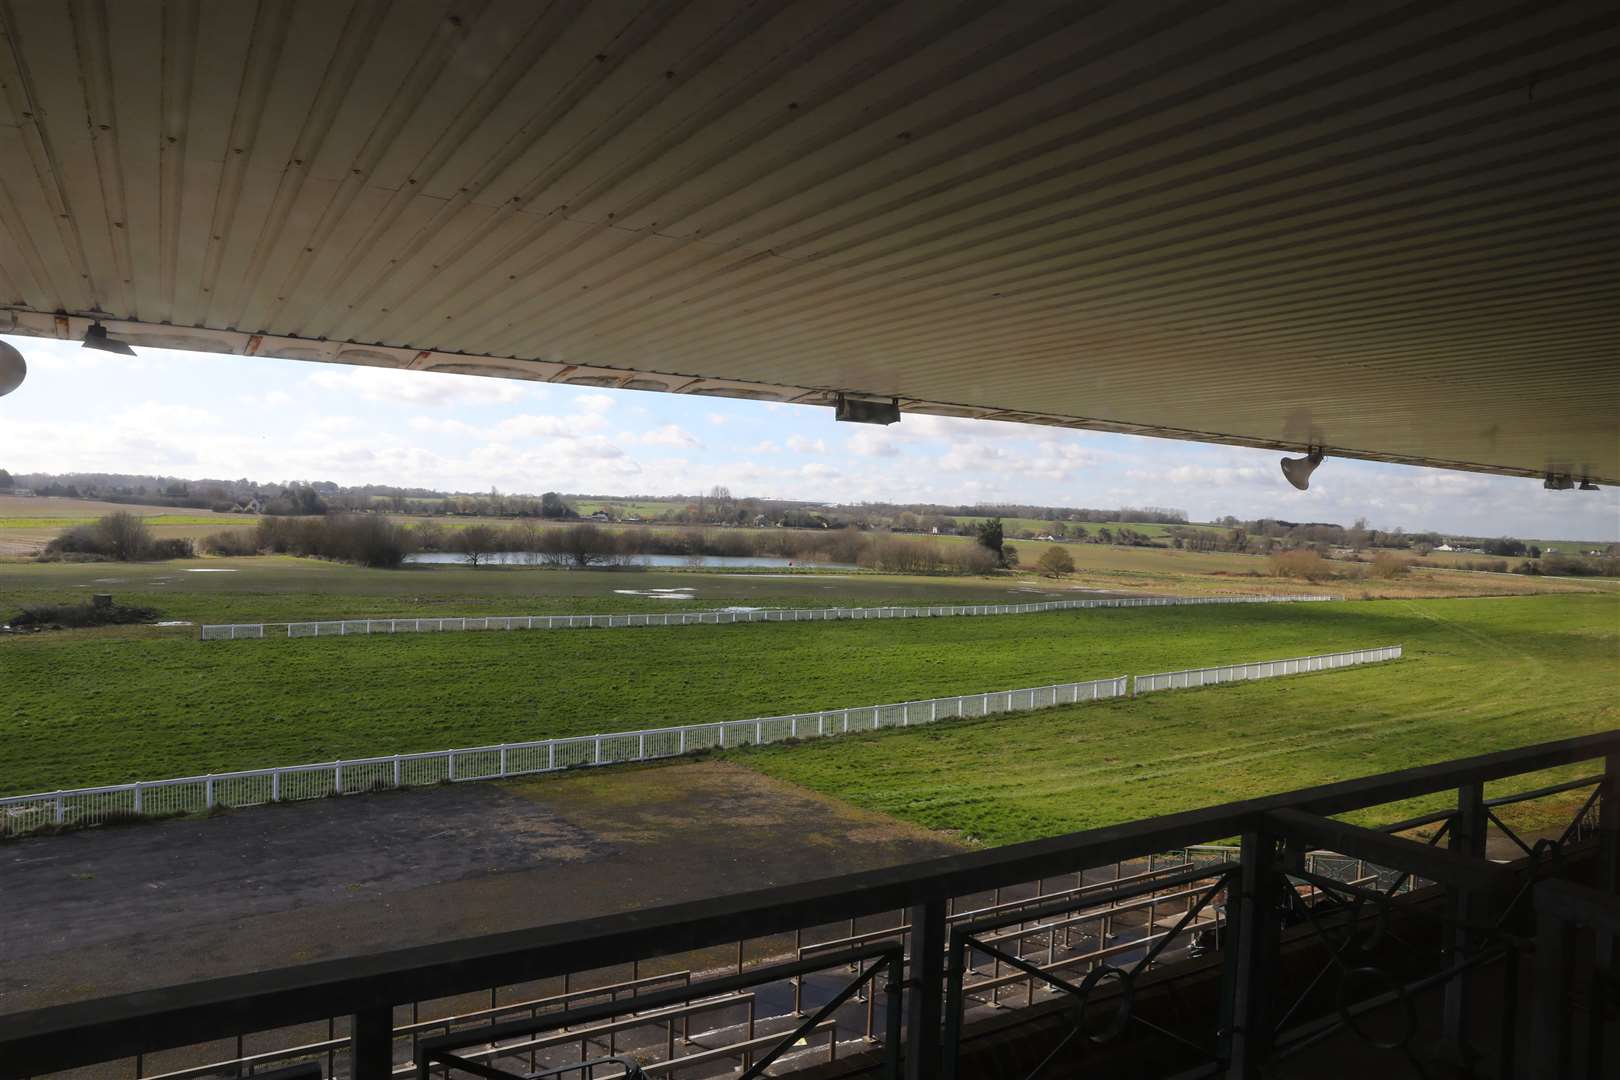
<point>1389,228</point>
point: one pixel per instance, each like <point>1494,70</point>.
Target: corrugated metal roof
<point>1385,227</point>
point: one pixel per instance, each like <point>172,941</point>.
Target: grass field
<point>281,588</point>
<point>1481,675</point>
<point>103,707</point>
<point>27,523</point>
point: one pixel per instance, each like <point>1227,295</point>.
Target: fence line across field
<point>1261,669</point>
<point>155,798</point>
<point>347,627</point>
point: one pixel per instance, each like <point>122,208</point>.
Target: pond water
<point>733,562</point>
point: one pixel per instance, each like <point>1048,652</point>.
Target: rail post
<point>1608,876</point>
<point>371,1048</point>
<point>1249,975</point>
<point>925,991</point>
<point>1467,837</point>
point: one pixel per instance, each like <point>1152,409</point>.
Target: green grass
<point>103,706</point>
<point>282,589</point>
<point>1481,675</point>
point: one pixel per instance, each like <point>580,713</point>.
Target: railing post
<point>371,1053</point>
<point>1608,875</point>
<point>1552,1018</point>
<point>1254,930</point>
<point>1467,837</point>
<point>925,996</point>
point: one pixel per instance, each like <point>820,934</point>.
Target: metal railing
<point>1262,669</point>
<point>21,814</point>
<point>360,627</point>
<point>1269,938</point>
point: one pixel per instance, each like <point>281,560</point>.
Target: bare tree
<point>476,543</point>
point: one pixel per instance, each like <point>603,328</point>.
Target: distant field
<point>282,588</point>
<point>107,707</point>
<point>1481,675</point>
<point>1043,526</point>
<point>275,588</point>
<point>27,523</point>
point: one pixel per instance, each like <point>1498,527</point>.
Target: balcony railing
<point>919,977</point>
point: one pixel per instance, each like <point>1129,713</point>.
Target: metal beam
<point>1440,865</point>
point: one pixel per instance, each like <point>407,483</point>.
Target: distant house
<point>1445,547</point>
<point>21,491</point>
<point>251,506</point>
<point>600,515</point>
<point>633,519</point>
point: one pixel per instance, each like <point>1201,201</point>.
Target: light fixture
<point>96,338</point>
<point>863,411</point>
<point>1587,485</point>
<point>1298,470</point>
<point>12,368</point>
<point>1558,482</point>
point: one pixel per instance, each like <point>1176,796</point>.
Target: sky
<point>197,415</point>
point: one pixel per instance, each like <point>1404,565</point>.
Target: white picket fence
<point>1262,669</point>
<point>191,794</point>
<point>348,627</point>
<point>20,814</point>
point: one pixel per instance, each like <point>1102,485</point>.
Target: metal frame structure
<point>1275,830</point>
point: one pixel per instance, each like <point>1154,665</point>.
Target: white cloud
<point>717,419</point>
<point>595,403</point>
<point>874,442</point>
<point>801,445</point>
<point>533,426</point>
<point>670,435</point>
<point>417,387</point>
<point>764,446</point>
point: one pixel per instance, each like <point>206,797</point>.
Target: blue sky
<point>193,415</point>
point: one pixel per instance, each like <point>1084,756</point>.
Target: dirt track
<point>112,910</point>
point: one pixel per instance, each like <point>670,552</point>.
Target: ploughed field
<point>94,707</point>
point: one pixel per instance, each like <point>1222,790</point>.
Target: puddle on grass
<point>210,570</point>
<point>175,622</point>
<point>683,593</point>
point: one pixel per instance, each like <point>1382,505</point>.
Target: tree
<point>585,544</point>
<point>1055,562</point>
<point>6,482</point>
<point>552,506</point>
<point>1009,556</point>
<point>990,537</point>
<point>124,536</point>
<point>477,543</point>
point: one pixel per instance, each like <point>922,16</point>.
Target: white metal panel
<point>1389,228</point>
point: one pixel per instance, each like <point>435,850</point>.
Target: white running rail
<point>20,814</point>
<point>348,627</point>
<point>190,794</point>
<point>1263,669</point>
